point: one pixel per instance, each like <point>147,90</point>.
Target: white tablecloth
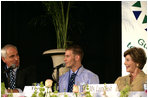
<point>99,94</point>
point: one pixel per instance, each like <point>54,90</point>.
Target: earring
<point>137,65</point>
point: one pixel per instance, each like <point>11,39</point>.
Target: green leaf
<point>60,20</point>
<point>2,88</point>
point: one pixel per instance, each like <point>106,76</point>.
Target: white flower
<point>75,89</point>
<point>48,83</point>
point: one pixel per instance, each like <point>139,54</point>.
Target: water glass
<point>145,87</point>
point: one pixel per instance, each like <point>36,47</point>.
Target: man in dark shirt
<point>12,74</point>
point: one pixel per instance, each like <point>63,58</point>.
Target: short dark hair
<point>138,55</point>
<point>76,50</point>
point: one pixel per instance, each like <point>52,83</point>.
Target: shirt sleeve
<point>93,79</point>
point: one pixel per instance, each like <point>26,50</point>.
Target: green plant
<point>34,94</point>
<point>3,91</point>
<point>41,89</point>
<point>65,95</point>
<point>125,92</point>
<point>11,93</point>
<point>60,20</point>
<point>35,91</point>
<point>55,89</point>
<point>104,90</point>
<point>2,88</point>
<point>87,93</point>
<point>54,94</point>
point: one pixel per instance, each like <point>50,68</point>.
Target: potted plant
<point>60,20</point>
<point>59,11</point>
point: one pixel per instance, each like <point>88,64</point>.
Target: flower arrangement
<point>42,92</point>
<point>54,94</point>
<point>2,88</point>
<point>48,83</point>
<point>35,91</point>
<point>104,90</point>
<point>75,90</point>
<point>125,92</point>
<point>42,89</point>
<point>8,95</point>
<point>4,91</point>
<point>87,92</point>
<point>49,93</point>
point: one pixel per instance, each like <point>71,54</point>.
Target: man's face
<point>12,57</point>
<point>69,59</point>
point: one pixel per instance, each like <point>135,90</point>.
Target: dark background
<point>96,26</point>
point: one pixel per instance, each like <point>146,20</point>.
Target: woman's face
<point>130,64</point>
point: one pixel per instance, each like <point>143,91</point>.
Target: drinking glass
<point>145,87</point>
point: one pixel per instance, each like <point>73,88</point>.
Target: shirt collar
<point>81,68</point>
<point>15,69</point>
<point>73,72</point>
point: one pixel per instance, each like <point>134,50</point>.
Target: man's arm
<point>94,79</point>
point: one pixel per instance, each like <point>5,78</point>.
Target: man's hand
<point>12,91</point>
